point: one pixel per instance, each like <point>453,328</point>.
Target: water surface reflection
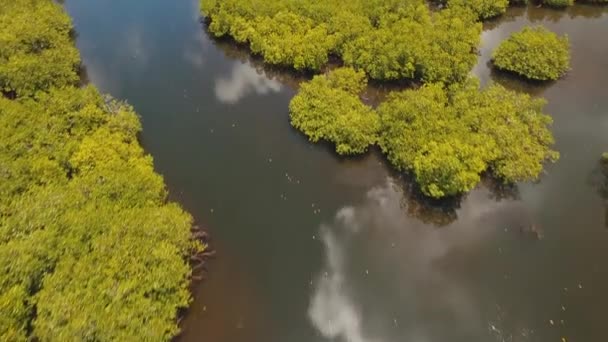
<point>242,81</point>
<point>386,272</point>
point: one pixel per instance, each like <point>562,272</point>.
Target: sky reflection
<point>389,277</point>
<point>243,80</point>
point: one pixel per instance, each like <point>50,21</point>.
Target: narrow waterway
<point>312,247</point>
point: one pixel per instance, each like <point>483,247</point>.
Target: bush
<point>534,53</point>
<point>485,9</point>
<point>388,39</point>
<point>37,52</point>
<point>73,175</point>
<point>89,247</point>
<point>448,136</point>
<point>329,108</point>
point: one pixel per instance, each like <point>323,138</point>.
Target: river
<point>312,247</point>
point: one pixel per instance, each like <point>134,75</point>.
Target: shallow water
<point>312,247</point>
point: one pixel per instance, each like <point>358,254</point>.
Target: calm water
<point>316,248</point>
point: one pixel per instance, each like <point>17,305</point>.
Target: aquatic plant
<point>328,108</point>
<point>446,136</point>
<point>535,53</point>
<point>37,51</point>
<point>485,9</point>
<point>388,39</point>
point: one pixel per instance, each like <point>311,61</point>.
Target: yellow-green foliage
<point>448,137</point>
<point>485,9</point>
<point>388,39</point>
<point>329,108</point>
<point>89,247</point>
<point>445,136</point>
<point>36,51</point>
<point>535,53</point>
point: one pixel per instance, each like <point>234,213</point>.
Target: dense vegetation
<point>388,39</point>
<point>448,136</point>
<point>36,51</point>
<point>535,53</point>
<point>447,132</point>
<point>328,108</point>
<point>484,9</point>
<point>89,247</point>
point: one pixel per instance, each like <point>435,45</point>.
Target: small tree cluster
<point>535,53</point>
<point>328,108</point>
<point>36,49</point>
<point>445,136</point>
<point>388,39</point>
<point>485,9</point>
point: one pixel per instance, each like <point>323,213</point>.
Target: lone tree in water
<point>535,53</point>
<point>328,108</point>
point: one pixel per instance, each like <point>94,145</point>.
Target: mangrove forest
<point>367,170</point>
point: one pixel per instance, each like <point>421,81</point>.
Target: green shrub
<point>485,9</point>
<point>448,137</point>
<point>37,52</point>
<point>329,108</point>
<point>388,39</point>
<point>535,53</point>
<point>90,249</point>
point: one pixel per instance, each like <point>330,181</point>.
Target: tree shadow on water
<point>83,75</point>
<point>513,81</point>
<point>241,52</point>
<point>587,10</point>
<point>437,212</point>
<point>444,211</point>
<point>598,179</point>
<point>514,11</point>
<point>500,190</point>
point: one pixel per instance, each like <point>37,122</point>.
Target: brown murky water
<point>312,247</point>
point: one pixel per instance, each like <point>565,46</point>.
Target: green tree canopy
<point>90,249</point>
<point>388,39</point>
<point>485,9</point>
<point>329,108</point>
<point>37,52</point>
<point>535,53</point>
<point>75,177</point>
<point>558,3</point>
<point>448,136</point>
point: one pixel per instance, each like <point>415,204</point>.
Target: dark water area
<point>312,247</point>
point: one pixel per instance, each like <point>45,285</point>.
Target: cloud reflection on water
<point>194,53</point>
<point>332,311</point>
<point>409,268</point>
<point>135,46</point>
<point>244,80</point>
